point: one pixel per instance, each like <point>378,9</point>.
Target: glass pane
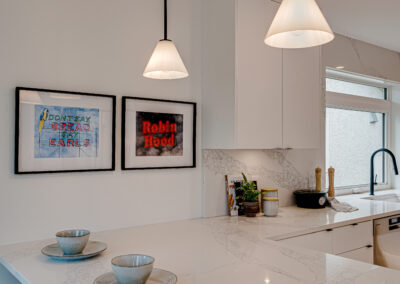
<point>351,138</point>
<point>343,87</point>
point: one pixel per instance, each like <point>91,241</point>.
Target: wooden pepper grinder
<point>331,191</point>
<point>318,179</point>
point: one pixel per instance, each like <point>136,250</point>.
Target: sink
<point>391,197</point>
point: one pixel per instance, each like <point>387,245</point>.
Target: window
<point>356,119</point>
<point>355,89</point>
<point>351,137</point>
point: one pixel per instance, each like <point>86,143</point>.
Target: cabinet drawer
<point>352,237</point>
<point>365,254</point>
<point>320,241</point>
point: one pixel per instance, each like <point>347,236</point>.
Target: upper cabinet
<point>258,102</point>
<point>302,90</point>
<point>256,96</point>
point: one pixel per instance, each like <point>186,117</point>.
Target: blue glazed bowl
<point>132,268</point>
<point>72,241</point>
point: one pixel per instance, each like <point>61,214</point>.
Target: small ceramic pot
<point>267,192</point>
<point>132,268</point>
<point>72,241</point>
<point>271,206</point>
<point>251,209</point>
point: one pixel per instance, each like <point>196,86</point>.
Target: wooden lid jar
<point>271,206</point>
<point>269,192</point>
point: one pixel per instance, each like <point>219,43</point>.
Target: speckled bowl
<point>132,268</point>
<point>72,241</point>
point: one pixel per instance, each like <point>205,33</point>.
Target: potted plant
<point>249,197</point>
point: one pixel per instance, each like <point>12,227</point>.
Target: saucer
<point>157,276</point>
<point>92,248</point>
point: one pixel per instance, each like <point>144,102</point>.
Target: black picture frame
<point>17,142</point>
<point>123,134</point>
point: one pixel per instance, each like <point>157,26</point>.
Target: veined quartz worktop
<point>217,250</point>
<point>293,221</point>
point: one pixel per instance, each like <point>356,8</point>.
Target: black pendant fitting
<point>165,21</point>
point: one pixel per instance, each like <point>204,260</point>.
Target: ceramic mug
<point>72,241</point>
<point>132,268</point>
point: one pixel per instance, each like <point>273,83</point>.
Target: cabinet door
<point>218,75</point>
<point>365,254</point>
<point>302,92</point>
<point>319,241</point>
<point>258,78</point>
<point>352,237</point>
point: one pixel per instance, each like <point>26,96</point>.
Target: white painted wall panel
<point>95,46</point>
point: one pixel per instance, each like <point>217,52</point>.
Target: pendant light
<point>165,62</point>
<point>298,24</point>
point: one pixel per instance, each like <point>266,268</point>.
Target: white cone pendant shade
<point>165,62</point>
<point>298,24</point>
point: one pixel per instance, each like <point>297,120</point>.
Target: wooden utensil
<point>331,191</point>
<point>318,179</point>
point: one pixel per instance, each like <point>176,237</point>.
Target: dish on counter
<point>157,276</point>
<point>92,249</point>
<point>72,241</point>
<point>132,268</point>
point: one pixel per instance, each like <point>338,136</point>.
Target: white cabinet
<point>320,241</point>
<point>365,254</point>
<point>302,98</point>
<point>353,241</point>
<point>352,237</point>
<point>258,78</point>
<point>218,86</point>
<point>255,96</point>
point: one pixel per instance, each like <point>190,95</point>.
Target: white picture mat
<point>27,161</point>
<point>135,105</point>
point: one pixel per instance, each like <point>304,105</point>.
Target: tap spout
<point>396,171</point>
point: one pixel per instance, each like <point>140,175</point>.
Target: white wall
<point>92,46</point>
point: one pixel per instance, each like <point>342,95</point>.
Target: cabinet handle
<point>329,230</point>
<point>355,224</point>
<point>369,246</point>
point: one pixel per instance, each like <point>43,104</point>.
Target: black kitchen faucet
<point>396,171</point>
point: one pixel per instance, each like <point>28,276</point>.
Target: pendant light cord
<point>165,20</point>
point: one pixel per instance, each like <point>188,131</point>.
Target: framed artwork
<point>58,131</point>
<point>158,134</point>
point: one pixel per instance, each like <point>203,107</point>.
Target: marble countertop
<point>293,221</point>
<point>217,250</point>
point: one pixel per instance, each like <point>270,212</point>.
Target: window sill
<point>358,190</point>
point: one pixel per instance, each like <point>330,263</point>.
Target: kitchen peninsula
<point>218,250</point>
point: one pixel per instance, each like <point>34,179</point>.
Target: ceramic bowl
<point>132,268</point>
<point>72,241</point>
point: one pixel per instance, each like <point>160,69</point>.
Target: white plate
<point>158,276</point>
<point>92,248</point>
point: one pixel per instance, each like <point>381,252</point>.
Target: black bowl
<point>310,198</point>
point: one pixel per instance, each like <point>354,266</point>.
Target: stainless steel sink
<point>391,197</point>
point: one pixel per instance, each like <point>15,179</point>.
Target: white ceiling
<point>373,21</point>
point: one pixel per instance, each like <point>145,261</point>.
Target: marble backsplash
<point>286,170</point>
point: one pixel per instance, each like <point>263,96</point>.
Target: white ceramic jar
<point>271,206</point>
<point>267,192</point>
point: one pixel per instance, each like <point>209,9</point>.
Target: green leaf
<point>244,178</point>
